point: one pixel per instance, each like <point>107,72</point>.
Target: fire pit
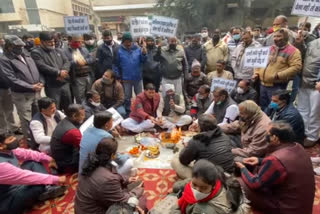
<point>172,137</point>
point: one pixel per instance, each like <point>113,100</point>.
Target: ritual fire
<point>171,137</point>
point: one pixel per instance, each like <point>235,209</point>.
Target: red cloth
<point>73,137</point>
<point>188,197</point>
<point>143,107</point>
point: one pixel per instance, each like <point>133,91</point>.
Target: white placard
<point>140,26</point>
<point>117,119</point>
<point>164,26</point>
<point>306,8</point>
<point>228,85</point>
<point>257,57</point>
<point>76,24</point>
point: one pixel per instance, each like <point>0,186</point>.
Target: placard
<point>76,24</point>
<point>257,57</point>
<point>140,26</point>
<point>164,26</point>
<point>228,85</point>
<point>306,8</point>
<point>117,119</point>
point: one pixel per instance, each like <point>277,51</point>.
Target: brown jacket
<point>253,140</point>
<point>142,107</point>
<point>111,95</point>
<point>95,194</point>
<point>286,64</point>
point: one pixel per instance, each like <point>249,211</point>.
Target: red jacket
<point>142,107</point>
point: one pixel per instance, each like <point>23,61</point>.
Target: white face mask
<point>89,42</point>
<point>95,104</point>
<point>204,35</point>
<point>199,195</point>
<point>240,90</point>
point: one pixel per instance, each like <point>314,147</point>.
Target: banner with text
<point>228,85</point>
<point>306,8</point>
<point>76,24</point>
<point>164,26</point>
<point>140,26</point>
<point>257,57</point>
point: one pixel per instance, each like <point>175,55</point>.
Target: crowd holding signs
<point>257,57</point>
<point>306,8</point>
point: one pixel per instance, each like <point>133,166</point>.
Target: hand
<point>194,127</point>
<point>159,121</point>
<point>144,48</point>
<point>115,133</point>
<point>53,164</point>
<point>253,161</point>
<point>81,62</point>
<point>139,210</point>
<point>133,179</point>
<point>185,144</point>
<point>172,104</point>
<point>255,77</point>
<point>64,74</point>
<point>240,165</point>
<point>318,86</point>
<point>276,77</point>
<point>37,87</point>
<point>153,120</point>
<point>62,180</point>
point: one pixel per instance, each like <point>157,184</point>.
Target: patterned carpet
<point>158,183</point>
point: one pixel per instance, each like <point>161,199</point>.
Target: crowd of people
<point>256,132</point>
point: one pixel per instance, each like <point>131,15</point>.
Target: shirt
<point>232,113</point>
<point>271,172</point>
<point>12,175</point>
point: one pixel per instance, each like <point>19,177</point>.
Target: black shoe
<point>52,192</point>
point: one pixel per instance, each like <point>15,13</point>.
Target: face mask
<point>201,97</point>
<point>268,138</point>
<point>150,46</point>
<point>240,90</point>
<point>204,35</point>
<point>219,102</point>
<point>109,42</point>
<point>58,44</point>
<point>49,48</point>
<point>75,45</point>
<point>13,145</point>
<point>95,104</point>
<point>274,106</point>
<point>17,50</point>
<point>276,28</point>
<point>106,81</point>
<point>280,43</point>
<point>236,37</point>
<point>29,45</point>
<point>216,38</point>
<point>89,42</point>
<point>199,195</point>
<point>172,47</point>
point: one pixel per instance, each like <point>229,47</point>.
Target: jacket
<point>91,109</point>
<point>96,193</point>
<point>197,52</point>
<point>215,53</point>
<point>238,59</point>
<point>129,63</point>
<point>111,95</point>
<point>106,58</point>
<point>292,116</point>
<point>213,146</point>
<point>50,64</point>
<point>192,84</point>
<point>164,108</point>
<point>151,68</point>
<point>142,107</point>
<point>251,94</point>
<point>253,139</point>
<point>20,76</point>
<point>174,64</point>
<point>311,69</point>
<point>287,64</point>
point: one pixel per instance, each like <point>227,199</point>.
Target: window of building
<point>7,6</point>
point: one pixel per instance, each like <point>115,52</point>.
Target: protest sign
<point>257,57</point>
<point>116,117</point>
<point>228,85</point>
<point>164,26</point>
<point>306,8</point>
<point>140,26</point>
<point>76,24</point>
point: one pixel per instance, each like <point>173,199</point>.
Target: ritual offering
<point>135,151</point>
<point>170,139</point>
<point>153,151</point>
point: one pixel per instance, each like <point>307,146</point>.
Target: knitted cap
<point>127,36</point>
<point>195,63</point>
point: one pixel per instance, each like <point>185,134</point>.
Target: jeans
<point>21,197</point>
<point>122,111</point>
<point>266,94</point>
<point>62,95</point>
<point>295,88</point>
<point>127,85</point>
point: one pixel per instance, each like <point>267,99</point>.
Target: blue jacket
<point>129,63</point>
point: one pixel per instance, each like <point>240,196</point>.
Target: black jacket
<point>91,109</point>
<point>251,94</point>
<point>292,116</point>
<point>50,63</point>
<point>151,68</point>
<point>197,52</point>
<point>19,76</point>
<point>213,146</point>
<point>106,59</point>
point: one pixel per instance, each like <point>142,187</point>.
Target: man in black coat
<point>280,108</point>
<point>196,51</point>
<point>211,144</point>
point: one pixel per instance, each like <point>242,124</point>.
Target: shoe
<point>317,171</point>
<point>315,159</point>
<point>18,132</point>
<point>309,143</point>
<point>52,192</point>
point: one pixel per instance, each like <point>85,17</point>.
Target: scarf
<point>188,198</point>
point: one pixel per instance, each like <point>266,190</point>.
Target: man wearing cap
<point>54,67</point>
<point>21,73</point>
<point>80,70</point>
<point>172,108</point>
<point>106,54</point>
<point>196,51</point>
<point>130,59</point>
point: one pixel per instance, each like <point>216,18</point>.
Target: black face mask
<point>172,46</point>
<point>17,50</point>
<point>268,138</point>
<point>150,46</point>
<point>13,145</point>
<point>109,42</point>
<point>29,45</point>
<point>216,38</point>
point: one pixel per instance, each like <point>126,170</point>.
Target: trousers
<point>7,122</point>
<point>62,95</point>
